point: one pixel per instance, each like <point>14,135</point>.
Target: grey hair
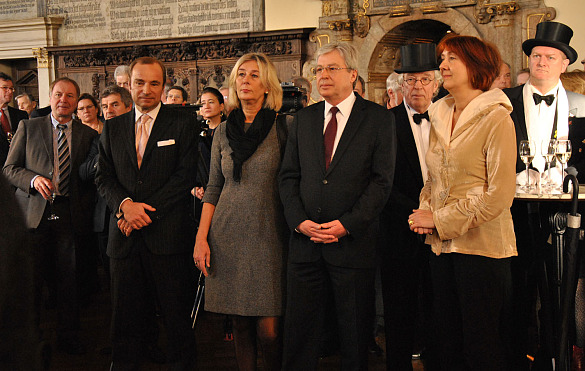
<point>122,70</point>
<point>347,51</point>
<point>438,78</point>
<point>392,83</point>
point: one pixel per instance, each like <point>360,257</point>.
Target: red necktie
<point>329,136</point>
<point>6,128</point>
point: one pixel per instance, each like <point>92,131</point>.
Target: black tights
<point>265,330</point>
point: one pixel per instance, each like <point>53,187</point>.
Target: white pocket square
<point>168,142</point>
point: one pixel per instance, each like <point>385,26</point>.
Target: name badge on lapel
<point>163,143</point>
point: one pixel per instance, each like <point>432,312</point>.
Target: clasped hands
<point>322,233</point>
<point>421,221</point>
<point>135,216</point>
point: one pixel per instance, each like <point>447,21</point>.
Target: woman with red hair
<point>465,206</point>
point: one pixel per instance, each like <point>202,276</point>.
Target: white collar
<point>344,106</point>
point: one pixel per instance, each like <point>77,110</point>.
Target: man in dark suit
<point>335,178</point>
<point>146,169</point>
<point>40,161</point>
<point>541,111</point>
<point>9,116</point>
<point>404,256</point>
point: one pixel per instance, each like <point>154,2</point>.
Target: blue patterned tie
<point>64,165</point>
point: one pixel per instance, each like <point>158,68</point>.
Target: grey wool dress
<point>247,235</point>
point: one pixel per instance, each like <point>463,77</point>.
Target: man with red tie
<point>335,178</point>
<point>9,117</point>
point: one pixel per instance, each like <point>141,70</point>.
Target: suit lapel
<point>517,100</point>
<point>353,123</point>
<point>47,137</point>
<point>160,125</point>
<point>129,136</point>
<point>316,134</point>
<point>406,138</point>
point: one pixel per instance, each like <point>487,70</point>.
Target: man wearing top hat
<point>541,111</point>
<point>404,256</point>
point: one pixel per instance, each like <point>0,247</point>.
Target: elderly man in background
<point>26,102</point>
<point>122,76</point>
<point>504,79</point>
<point>394,91</point>
<point>404,265</point>
<point>9,116</point>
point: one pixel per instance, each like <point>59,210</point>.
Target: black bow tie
<point>417,117</point>
<point>548,99</point>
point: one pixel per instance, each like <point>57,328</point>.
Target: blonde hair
<point>272,99</point>
<point>574,81</point>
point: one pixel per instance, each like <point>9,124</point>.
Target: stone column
<point>46,74</point>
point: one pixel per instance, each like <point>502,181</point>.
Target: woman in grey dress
<point>241,237</point>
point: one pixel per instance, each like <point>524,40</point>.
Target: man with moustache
<point>335,178</point>
<point>43,154</point>
<point>9,116</point>
<point>404,256</point>
<point>541,111</point>
<point>146,169</point>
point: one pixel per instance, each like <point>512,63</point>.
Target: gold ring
<point>410,222</point>
<point>196,263</point>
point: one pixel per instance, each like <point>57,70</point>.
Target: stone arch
<point>452,19</point>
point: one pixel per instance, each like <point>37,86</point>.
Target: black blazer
<point>576,106</point>
<point>164,180</point>
<point>396,238</point>
<point>16,116</point>
<point>87,172</point>
<point>354,189</point>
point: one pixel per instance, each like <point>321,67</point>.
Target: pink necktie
<point>141,137</point>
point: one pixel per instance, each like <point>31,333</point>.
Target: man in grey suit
<point>39,163</point>
<point>146,169</point>
<point>335,178</point>
<point>9,116</point>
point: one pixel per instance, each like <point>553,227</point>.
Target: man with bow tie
<point>541,111</point>
<point>404,257</point>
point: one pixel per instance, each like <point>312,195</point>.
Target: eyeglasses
<point>7,88</point>
<point>330,70</point>
<point>423,80</point>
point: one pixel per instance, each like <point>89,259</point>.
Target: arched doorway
<point>386,55</point>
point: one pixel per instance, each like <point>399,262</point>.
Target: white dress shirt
<point>421,138</point>
<point>345,108</point>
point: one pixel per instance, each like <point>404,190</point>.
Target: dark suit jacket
<point>87,172</point>
<point>31,154</point>
<point>164,180</point>
<point>40,112</point>
<point>396,238</point>
<point>16,116</point>
<point>354,189</point>
<point>576,107</point>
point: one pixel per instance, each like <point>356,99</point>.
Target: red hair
<point>481,58</point>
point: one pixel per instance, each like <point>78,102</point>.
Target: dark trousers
<point>471,298</point>
<point>55,262</point>
<point>134,280</point>
<point>406,287</point>
<point>308,287</point>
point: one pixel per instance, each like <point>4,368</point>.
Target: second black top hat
<point>418,58</point>
<point>553,34</point>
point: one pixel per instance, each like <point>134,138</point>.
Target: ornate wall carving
<point>192,63</point>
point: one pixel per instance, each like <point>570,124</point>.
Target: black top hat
<point>553,34</point>
<point>418,58</point>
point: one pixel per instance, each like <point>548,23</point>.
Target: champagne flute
<point>563,154</point>
<point>53,216</point>
<point>548,148</point>
<point>527,151</point>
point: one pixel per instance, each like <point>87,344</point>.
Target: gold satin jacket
<point>472,177</point>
